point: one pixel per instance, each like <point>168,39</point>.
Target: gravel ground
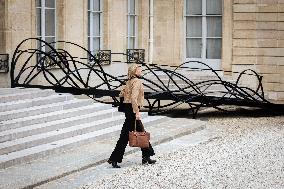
<point>248,152</point>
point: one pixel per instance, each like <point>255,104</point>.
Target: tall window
<point>203,30</point>
<point>95,25</point>
<point>46,21</point>
<point>132,24</point>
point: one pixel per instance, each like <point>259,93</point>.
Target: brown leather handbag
<point>139,139</point>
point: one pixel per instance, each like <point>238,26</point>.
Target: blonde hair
<point>132,71</point>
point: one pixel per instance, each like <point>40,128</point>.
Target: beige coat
<point>133,92</point>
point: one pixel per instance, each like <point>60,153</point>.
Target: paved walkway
<point>247,152</point>
<point>131,161</point>
<point>223,152</point>
<point>54,167</point>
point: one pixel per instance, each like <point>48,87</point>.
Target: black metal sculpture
<point>166,87</point>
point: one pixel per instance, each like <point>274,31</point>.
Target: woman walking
<point>133,94</point>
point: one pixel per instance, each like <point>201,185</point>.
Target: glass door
<point>203,31</point>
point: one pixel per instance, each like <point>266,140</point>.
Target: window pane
<point>213,49</point>
<point>38,21</point>
<point>50,3</point>
<point>132,6</point>
<point>49,40</point>
<point>131,44</point>
<point>50,22</point>
<point>193,7</point>
<point>214,7</point>
<point>38,3</point>
<point>38,45</point>
<point>214,26</point>
<point>193,48</point>
<point>96,24</point>
<point>89,44</point>
<point>96,44</point>
<point>132,26</point>
<point>89,22</point>
<point>193,26</point>
<point>96,5</point>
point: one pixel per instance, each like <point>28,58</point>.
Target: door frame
<point>213,63</point>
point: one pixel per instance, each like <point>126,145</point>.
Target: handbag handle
<point>135,125</point>
<point>143,129</point>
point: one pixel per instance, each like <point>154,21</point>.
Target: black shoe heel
<point>114,164</point>
<point>148,160</point>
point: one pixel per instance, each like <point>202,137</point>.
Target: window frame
<point>214,63</point>
<point>135,15</point>
<point>90,22</point>
<point>42,26</point>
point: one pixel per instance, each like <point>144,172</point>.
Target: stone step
<point>6,91</point>
<point>181,81</point>
<point>203,86</point>
<point>52,116</point>
<point>26,94</point>
<point>16,105</point>
<point>184,85</point>
<point>16,133</point>
<point>44,150</point>
<point>189,75</point>
<point>212,89</point>
<point>42,109</point>
<point>62,133</point>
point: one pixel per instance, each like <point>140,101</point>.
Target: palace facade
<point>231,35</point>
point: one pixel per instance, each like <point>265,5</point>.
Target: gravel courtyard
<point>248,152</point>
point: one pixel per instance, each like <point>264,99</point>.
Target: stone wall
<point>117,32</point>
<point>19,23</point>
<point>258,42</point>
<point>3,76</point>
<point>75,17</point>
<point>2,27</point>
<point>253,33</point>
<point>168,32</point>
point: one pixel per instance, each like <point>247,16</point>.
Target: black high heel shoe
<point>114,164</point>
<point>148,160</point>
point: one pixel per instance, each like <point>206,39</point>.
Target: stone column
<point>143,26</point>
<point>75,25</point>
<point>168,32</point>
<point>17,22</point>
<point>2,27</point>
<point>118,25</point>
<point>227,27</point>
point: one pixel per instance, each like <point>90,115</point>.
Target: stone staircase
<point>36,123</point>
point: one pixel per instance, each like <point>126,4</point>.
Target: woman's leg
<point>146,152</point>
<point>118,152</point>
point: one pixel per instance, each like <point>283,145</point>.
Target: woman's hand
<point>138,116</point>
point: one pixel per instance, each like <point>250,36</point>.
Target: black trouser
<point>118,152</point>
